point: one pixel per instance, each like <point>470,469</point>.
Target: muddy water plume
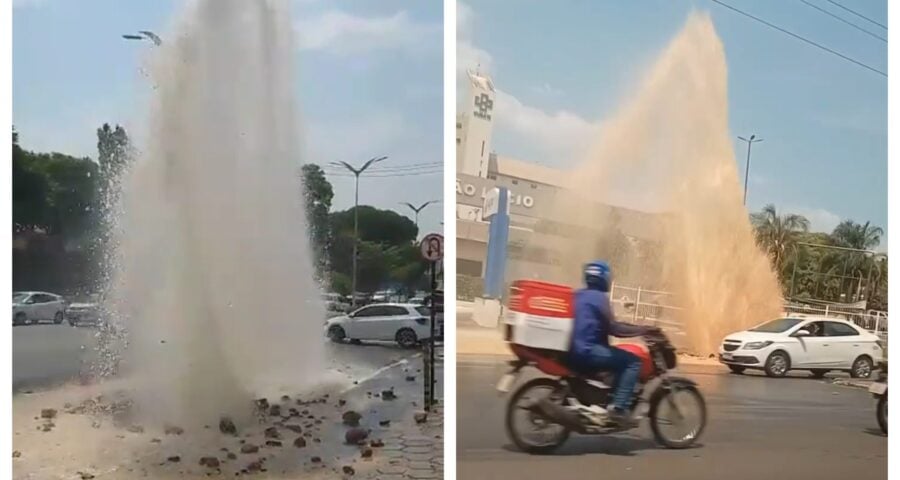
<point>666,157</point>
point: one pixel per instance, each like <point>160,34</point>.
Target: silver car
<point>36,307</point>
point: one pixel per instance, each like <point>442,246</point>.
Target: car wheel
<point>818,373</point>
<point>736,369</point>
<point>58,318</point>
<point>862,367</point>
<point>778,364</point>
<point>20,319</point>
<point>336,333</point>
<point>406,337</point>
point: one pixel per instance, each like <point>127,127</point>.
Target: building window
<point>515,182</point>
<point>458,141</point>
<point>470,268</point>
<point>458,125</point>
<point>482,148</point>
<point>533,186</point>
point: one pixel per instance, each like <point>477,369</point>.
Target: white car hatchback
<point>817,344</point>
<point>36,307</point>
<point>404,323</point>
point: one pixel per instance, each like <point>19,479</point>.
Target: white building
<point>534,190</point>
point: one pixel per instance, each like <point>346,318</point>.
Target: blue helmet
<point>598,275</point>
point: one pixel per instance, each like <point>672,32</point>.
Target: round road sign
<point>432,247</point>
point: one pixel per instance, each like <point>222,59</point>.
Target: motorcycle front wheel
<point>882,413</point>
<point>677,416</point>
<point>529,430</point>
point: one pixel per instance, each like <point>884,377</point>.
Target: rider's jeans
<point>625,365</point>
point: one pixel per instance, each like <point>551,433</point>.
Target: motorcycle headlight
<point>757,345</point>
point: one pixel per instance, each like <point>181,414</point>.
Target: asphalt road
<point>791,428</point>
<point>47,355</point>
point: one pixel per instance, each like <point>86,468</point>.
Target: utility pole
<point>418,209</point>
<point>750,143</point>
<point>356,173</point>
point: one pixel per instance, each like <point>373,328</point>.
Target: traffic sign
<point>432,247</point>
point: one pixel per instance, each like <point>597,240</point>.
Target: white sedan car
<point>817,344</point>
<point>404,323</point>
<point>36,307</point>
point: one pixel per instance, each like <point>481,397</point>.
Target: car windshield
<point>19,297</point>
<point>777,326</point>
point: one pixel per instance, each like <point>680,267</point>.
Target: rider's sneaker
<point>621,418</point>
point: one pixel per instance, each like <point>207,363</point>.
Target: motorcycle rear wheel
<point>513,408</point>
<point>662,397</point>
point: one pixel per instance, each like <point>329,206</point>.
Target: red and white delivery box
<point>540,315</point>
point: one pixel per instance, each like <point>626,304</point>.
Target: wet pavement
<point>50,355</point>
<point>397,446</point>
<point>757,428</point>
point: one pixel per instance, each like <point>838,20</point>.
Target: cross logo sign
<point>484,105</point>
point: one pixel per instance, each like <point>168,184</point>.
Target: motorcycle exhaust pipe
<point>556,413</point>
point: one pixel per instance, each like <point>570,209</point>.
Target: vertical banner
<point>496,207</point>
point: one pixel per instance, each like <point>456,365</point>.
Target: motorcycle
<point>879,390</point>
<point>579,403</point>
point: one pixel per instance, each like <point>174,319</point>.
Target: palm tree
<point>850,234</point>
<point>859,236</point>
<point>776,234</point>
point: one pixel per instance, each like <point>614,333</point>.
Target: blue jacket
<point>594,323</point>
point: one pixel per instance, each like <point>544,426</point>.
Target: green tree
<point>387,254</point>
<point>317,194</point>
<point>30,208</point>
<point>850,234</point>
<point>375,225</point>
<point>776,234</point>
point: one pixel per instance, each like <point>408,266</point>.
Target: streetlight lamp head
<point>752,137</point>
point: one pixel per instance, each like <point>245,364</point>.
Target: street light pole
<point>750,143</point>
<point>356,173</point>
<point>418,209</point>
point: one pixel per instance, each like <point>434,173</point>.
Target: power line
<point>386,175</point>
<point>798,37</point>
<point>857,14</point>
<point>826,12</point>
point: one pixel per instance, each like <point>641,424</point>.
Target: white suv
<point>403,323</point>
<point>817,344</point>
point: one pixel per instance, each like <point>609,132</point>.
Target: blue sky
<point>824,120</point>
<point>369,83</point>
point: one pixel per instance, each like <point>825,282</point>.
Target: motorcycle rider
<point>591,351</point>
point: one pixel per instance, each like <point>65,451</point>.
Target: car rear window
<point>837,329</point>
<point>423,311</point>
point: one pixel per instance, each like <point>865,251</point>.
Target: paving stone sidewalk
<point>415,451</point>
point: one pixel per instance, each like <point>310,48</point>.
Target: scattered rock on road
<point>48,413</point>
<point>135,429</point>
<point>275,410</point>
<point>86,475</point>
<point>377,443</point>
<point>316,460</point>
<point>174,459</point>
<point>272,432</point>
<point>249,448</point>
<point>388,395</point>
<point>420,417</point>
<point>351,418</point>
<point>355,436</point>
<point>300,442</point>
<point>348,470</point>
<point>209,462</point>
<point>294,428</point>
<point>17,454</point>
<point>384,423</point>
<point>173,430</point>
<point>366,452</point>
<point>273,443</point>
<point>410,378</point>
<point>226,426</point>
